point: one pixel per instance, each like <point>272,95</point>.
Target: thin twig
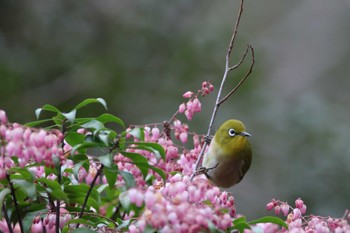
<point>114,216</point>
<point>242,59</point>
<point>227,70</point>
<point>242,80</point>
<point>59,179</point>
<point>235,30</point>
<point>7,218</point>
<point>99,171</point>
<point>15,202</point>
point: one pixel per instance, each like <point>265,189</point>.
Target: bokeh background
<point>141,56</point>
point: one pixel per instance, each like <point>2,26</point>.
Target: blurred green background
<point>141,56</point>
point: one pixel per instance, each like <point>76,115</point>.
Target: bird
<point>229,155</point>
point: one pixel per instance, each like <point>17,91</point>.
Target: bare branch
<point>242,59</point>
<point>228,68</point>
<point>242,80</point>
<point>234,34</point>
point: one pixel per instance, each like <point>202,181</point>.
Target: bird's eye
<point>231,132</point>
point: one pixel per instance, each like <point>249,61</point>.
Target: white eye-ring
<point>231,132</point>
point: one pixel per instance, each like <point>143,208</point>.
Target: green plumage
<point>229,155</point>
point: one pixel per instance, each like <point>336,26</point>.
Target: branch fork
<point>228,69</point>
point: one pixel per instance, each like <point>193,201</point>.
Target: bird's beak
<point>245,134</point>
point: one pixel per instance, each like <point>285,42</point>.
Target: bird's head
<point>231,135</point>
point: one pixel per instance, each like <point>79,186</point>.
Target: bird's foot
<point>208,138</point>
<point>204,170</point>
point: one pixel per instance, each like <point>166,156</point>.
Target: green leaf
<point>82,221</point>
<point>159,171</point>
<point>27,187</point>
<point>105,118</point>
<point>81,147</point>
<point>74,138</point>
<point>79,191</point>
<point>106,136</point>
<point>3,194</point>
<point>125,200</point>
<point>91,101</point>
<point>90,202</point>
<point>135,157</point>
<point>35,123</point>
<point>54,188</point>
<point>137,133</point>
<point>28,219</point>
<point>76,169</point>
<point>140,161</point>
<point>93,124</point>
<point>111,176</point>
<point>46,107</point>
<point>22,173</point>
<point>106,160</point>
<point>212,227</point>
<point>240,224</point>
<point>128,178</point>
<point>123,224</point>
<point>70,116</point>
<point>83,230</point>
<point>270,219</point>
<point>157,149</point>
<point>239,220</point>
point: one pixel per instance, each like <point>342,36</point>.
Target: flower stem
<point>15,202</point>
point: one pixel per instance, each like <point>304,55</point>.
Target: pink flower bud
<point>187,94</point>
<point>205,91</point>
<point>155,133</point>
<point>285,209</point>
<point>189,114</point>
<point>196,106</point>
<point>296,213</point>
<point>211,87</point>
<point>299,203</point>
<point>37,226</point>
<point>270,206</point>
<point>3,117</point>
<point>133,229</point>
<point>189,105</point>
<point>277,210</point>
<point>82,131</point>
<point>182,108</point>
<point>183,137</point>
<point>136,197</point>
<point>204,84</point>
<point>303,209</point>
<point>150,199</point>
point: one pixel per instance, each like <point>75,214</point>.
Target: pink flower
<point>183,137</point>
<point>37,226</point>
<point>277,210</point>
<point>136,197</point>
<point>270,206</point>
<point>296,214</point>
<point>155,134</point>
<point>188,94</point>
<point>285,208</point>
<point>299,203</point>
<point>189,114</point>
<point>3,117</point>
<point>196,105</point>
<point>303,209</point>
<point>182,108</point>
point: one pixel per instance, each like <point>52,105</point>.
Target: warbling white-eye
<point>229,155</point>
